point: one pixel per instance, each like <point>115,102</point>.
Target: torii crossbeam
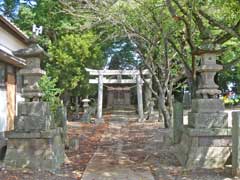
<point>100,80</point>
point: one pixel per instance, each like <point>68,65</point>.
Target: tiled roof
<point>14,29</point>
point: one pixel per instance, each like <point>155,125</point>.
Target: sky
<point>29,2</point>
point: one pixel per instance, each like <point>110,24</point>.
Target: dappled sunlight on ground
<point>118,150</point>
<point>88,136</point>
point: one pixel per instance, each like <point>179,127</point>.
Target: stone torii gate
<point>100,80</point>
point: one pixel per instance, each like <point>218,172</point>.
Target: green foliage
<point>51,93</point>
<point>70,50</point>
<point>70,56</point>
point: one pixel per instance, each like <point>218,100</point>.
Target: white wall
<point>9,41</point>
<point>19,83</point>
<point>3,110</point>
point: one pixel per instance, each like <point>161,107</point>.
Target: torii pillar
<point>100,98</point>
<point>140,98</point>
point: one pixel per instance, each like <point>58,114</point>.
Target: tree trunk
<point>76,104</point>
<point>164,111</point>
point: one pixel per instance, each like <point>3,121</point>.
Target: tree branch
<point>220,25</point>
<point>182,58</point>
<point>230,64</point>
<point>223,38</point>
<point>204,32</point>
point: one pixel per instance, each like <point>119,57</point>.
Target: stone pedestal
<point>35,150</point>
<point>204,148</point>
<point>33,116</point>
<point>236,144</point>
<point>207,113</point>
<point>37,142</point>
<point>206,141</point>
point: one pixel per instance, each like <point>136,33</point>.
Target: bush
<point>51,93</point>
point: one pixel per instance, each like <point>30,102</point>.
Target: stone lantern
<point>86,113</point>
<point>33,72</point>
<point>35,142</point>
<point>85,105</point>
<point>205,142</point>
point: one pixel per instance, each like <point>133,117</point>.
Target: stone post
<point>187,99</point>
<point>100,99</point>
<point>177,121</point>
<point>139,97</point>
<point>206,141</point>
<point>236,143</point>
<point>36,134</point>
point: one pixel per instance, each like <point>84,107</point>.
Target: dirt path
<point>123,151</point>
<point>88,136</point>
<point>141,151</point>
<point>120,149</point>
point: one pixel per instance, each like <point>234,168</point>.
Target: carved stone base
<point>204,148</point>
<point>33,116</point>
<point>208,120</point>
<point>40,150</point>
<point>207,105</point>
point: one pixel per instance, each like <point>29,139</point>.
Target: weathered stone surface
<point>236,144</point>
<point>208,157</point>
<point>206,142</point>
<point>203,151</point>
<point>35,153</point>
<point>61,116</point>
<point>35,143</point>
<point>33,116</point>
<point>24,135</point>
<point>177,121</point>
<point>207,105</point>
<point>33,108</point>
<point>182,149</point>
<point>208,132</point>
<point>187,100</point>
<point>208,68</point>
<point>32,123</point>
<point>28,135</point>
<point>32,72</point>
<point>208,120</point>
<point>218,141</point>
<point>33,51</point>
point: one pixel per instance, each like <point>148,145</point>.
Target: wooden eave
<point>11,59</point>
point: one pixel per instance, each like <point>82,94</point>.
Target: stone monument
<point>86,114</point>
<point>36,142</point>
<point>206,141</point>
